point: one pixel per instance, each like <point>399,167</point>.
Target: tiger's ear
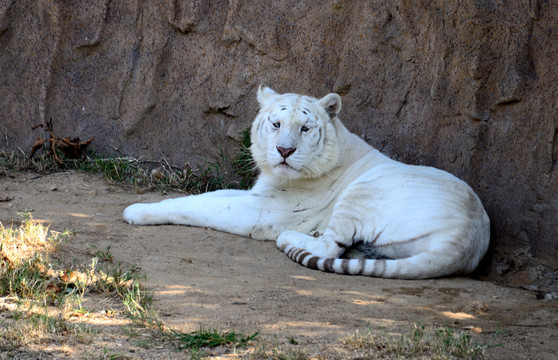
<point>265,95</point>
<point>331,104</point>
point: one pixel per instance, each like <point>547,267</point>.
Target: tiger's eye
<point>277,125</point>
<point>304,129</point>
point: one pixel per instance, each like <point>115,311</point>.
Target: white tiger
<point>323,192</point>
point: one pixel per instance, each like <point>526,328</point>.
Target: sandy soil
<point>207,278</point>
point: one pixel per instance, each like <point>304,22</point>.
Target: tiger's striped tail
<point>386,268</point>
<point>332,265</point>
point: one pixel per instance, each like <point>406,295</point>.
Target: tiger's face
<point>293,136</point>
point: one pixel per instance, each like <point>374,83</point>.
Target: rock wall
<point>468,86</point>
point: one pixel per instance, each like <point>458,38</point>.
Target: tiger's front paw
<point>136,214</point>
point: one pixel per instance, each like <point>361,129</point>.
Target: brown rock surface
<point>467,86</point>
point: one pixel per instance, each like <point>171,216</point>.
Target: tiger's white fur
<point>323,192</point>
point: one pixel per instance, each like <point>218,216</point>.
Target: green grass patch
<point>287,348</point>
<point>243,163</point>
<point>210,338</point>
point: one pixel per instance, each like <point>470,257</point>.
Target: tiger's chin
<point>284,170</point>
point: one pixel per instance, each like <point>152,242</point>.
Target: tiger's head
<point>293,136</point>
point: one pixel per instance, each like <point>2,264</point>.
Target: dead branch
<point>71,148</point>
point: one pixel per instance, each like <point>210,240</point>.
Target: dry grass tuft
<point>26,240</point>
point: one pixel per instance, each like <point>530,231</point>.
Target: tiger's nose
<point>285,152</point>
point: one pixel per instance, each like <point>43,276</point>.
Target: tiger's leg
<point>343,229</point>
<point>234,211</point>
<point>339,235</point>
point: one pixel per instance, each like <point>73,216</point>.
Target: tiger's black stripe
<point>328,265</point>
<point>341,245</point>
<point>301,256</point>
<point>361,265</point>
<point>345,266</point>
<point>313,263</point>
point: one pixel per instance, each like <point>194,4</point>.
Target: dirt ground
<point>212,279</point>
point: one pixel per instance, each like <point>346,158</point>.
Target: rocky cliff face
<point>467,86</point>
